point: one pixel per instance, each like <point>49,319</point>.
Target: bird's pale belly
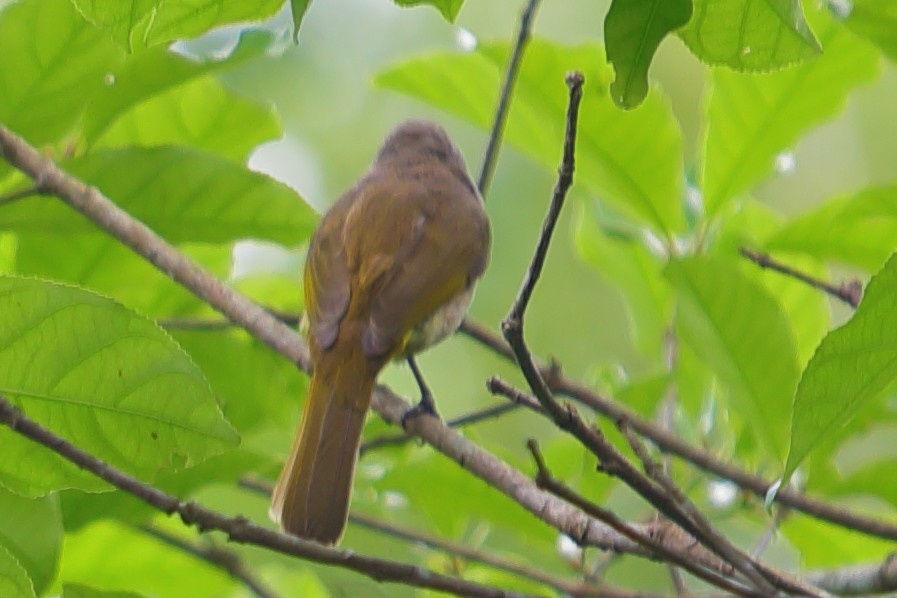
<point>441,323</point>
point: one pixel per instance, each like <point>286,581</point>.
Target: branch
<point>849,292</point>
<point>215,556</point>
<point>859,580</point>
<point>239,529</point>
<point>504,99</point>
<point>659,549</point>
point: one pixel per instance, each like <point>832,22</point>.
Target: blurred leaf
<point>824,545</point>
<point>182,194</point>
<point>750,36</point>
<point>635,274</point>
<point>155,71</point>
<point>14,580</point>
<point>31,530</point>
<point>298,9</point>
<point>632,31</point>
<point>105,265</point>
<point>143,23</point>
<point>807,309</point>
<point>876,20</point>
<point>448,8</point>
<point>201,114</point>
<point>80,509</point>
<point>104,378</point>
<point>103,556</point>
<point>632,159</point>
<point>740,331</point>
<point>50,71</point>
<point>854,364</point>
<point>77,590</point>
<point>750,118</point>
<point>859,229</point>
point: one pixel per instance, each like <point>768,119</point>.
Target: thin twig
<point>459,422</point>
<point>216,556</point>
<point>671,443</point>
<point>14,196</point>
<point>859,580</point>
<point>290,319</point>
<point>850,292</point>
<point>239,529</point>
<point>490,156</point>
<point>545,480</point>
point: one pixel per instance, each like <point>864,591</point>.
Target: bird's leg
<point>426,405</point>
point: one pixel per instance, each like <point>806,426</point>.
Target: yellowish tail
<point>311,499</point>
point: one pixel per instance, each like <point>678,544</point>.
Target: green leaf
<point>876,20</point>
<point>155,71</point>
<point>51,64</point>
<point>77,590</point>
<point>32,533</point>
<point>750,35</point>
<point>632,31</point>
<point>202,114</point>
<point>854,364</point>
<point>103,556</point>
<point>631,159</point>
<point>298,9</point>
<point>635,273</point>
<point>750,118</point>
<point>14,580</point>
<point>859,229</point>
<point>448,8</point>
<point>144,23</point>
<point>105,265</point>
<point>104,378</point>
<point>182,194</point>
<point>733,325</point>
<point>824,545</point>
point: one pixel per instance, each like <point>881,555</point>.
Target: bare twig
<point>290,319</point>
<point>459,422</point>
<point>14,196</point>
<point>850,292</point>
<point>669,442</point>
<point>239,529</point>
<point>216,556</point>
<point>545,480</point>
<point>859,580</point>
<point>504,98</point>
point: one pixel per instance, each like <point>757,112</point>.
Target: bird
<point>390,270</point>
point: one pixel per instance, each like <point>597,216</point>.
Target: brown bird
<point>390,271</point>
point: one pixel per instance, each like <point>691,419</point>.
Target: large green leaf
<point>14,580</point>
<point>77,590</point>
<point>632,31</point>
<point>635,273</point>
<point>32,533</point>
<point>876,20</point>
<point>750,35</point>
<point>448,8</point>
<point>144,23</point>
<point>734,325</point>
<point>859,229</point>
<point>155,71</point>
<point>751,118</point>
<point>103,377</point>
<point>183,194</point>
<point>853,365</point>
<point>632,159</point>
<point>51,64</point>
<point>202,114</point>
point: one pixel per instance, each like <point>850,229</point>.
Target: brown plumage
<point>390,271</point>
